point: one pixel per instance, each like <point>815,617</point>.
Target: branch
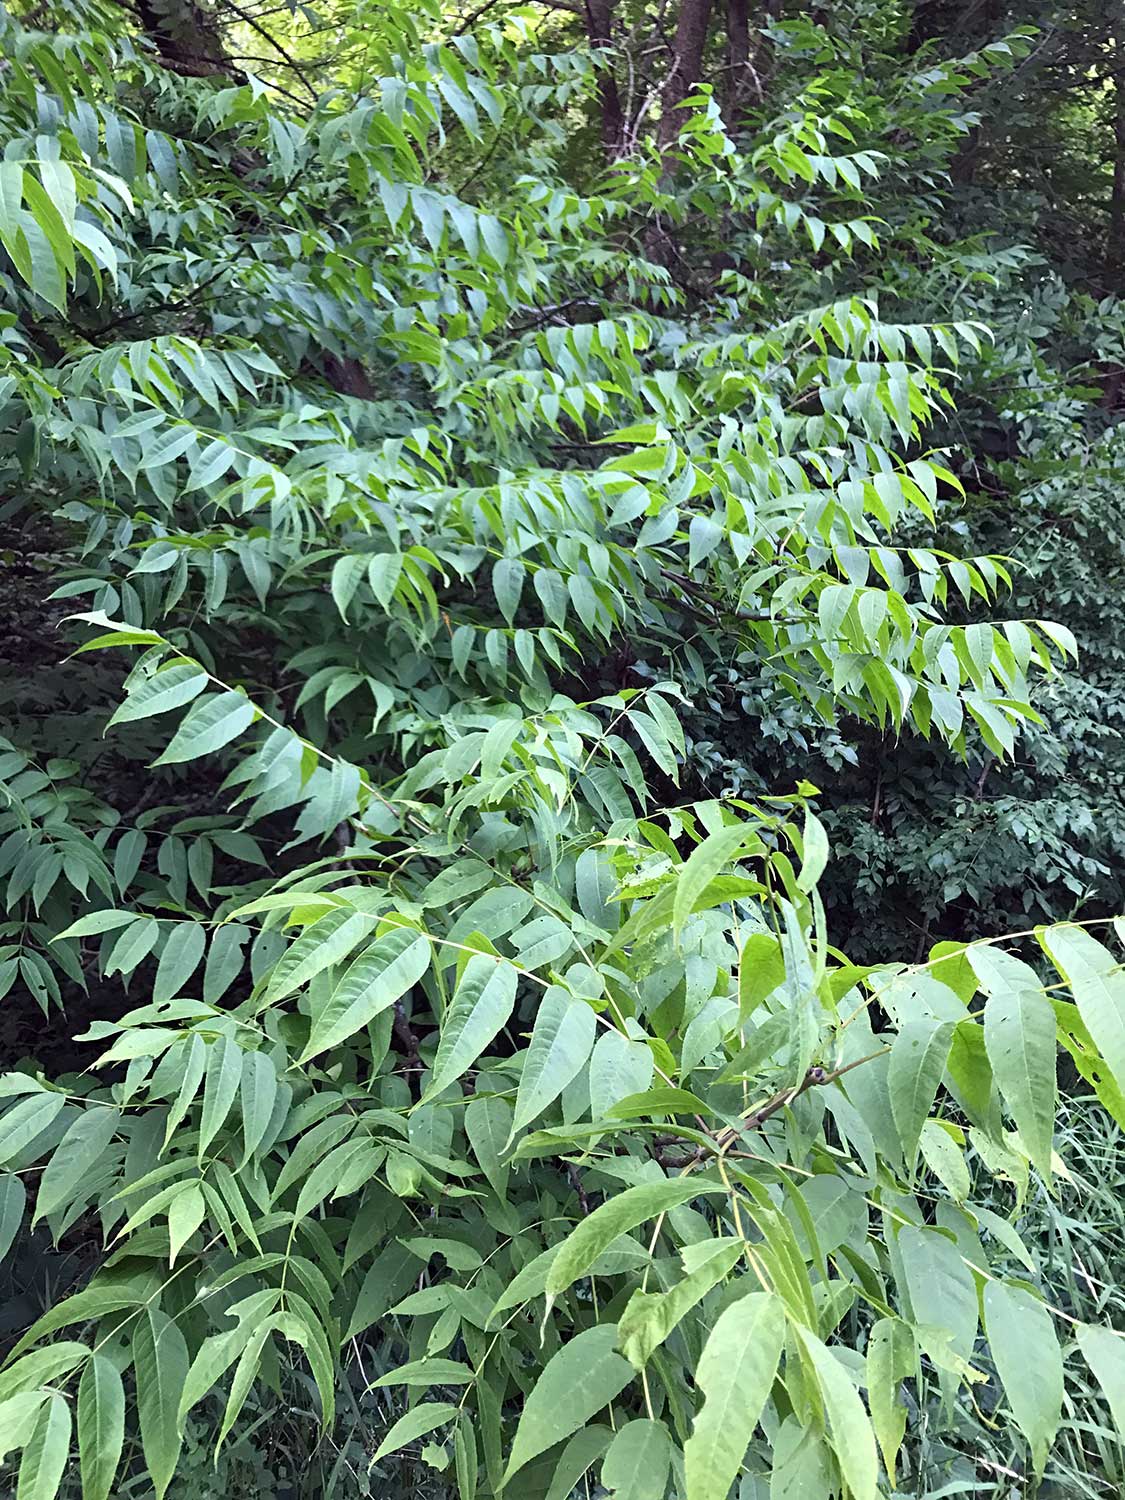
<point>274,43</point>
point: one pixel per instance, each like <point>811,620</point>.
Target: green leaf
<point>649,1317</point>
<point>186,1213</point>
<point>329,939</point>
<point>13,1200</point>
<point>25,1120</point>
<point>83,1144</point>
<point>161,1360</point>
<point>581,1452</point>
<point>224,1072</point>
<point>215,1357</point>
<point>945,1159</point>
<point>1104,1351</point>
<point>914,1070</point>
<point>1020,1039</point>
<point>488,1125</point>
<point>379,977</point>
<point>761,968</point>
<point>940,1287</point>
<point>577,1382</point>
<point>595,884</point>
<point>853,1440</point>
<point>619,1068</point>
<point>1098,985</point>
<point>101,1426</point>
<point>735,1374</point>
<point>482,1004</point>
<point>224,962</point>
<point>245,1371</point>
<point>815,857</point>
<point>132,947</point>
<point>636,1466</point>
<point>507,584</point>
<point>890,1358</point>
<point>561,1042</point>
<point>18,1415</point>
<point>615,1217</point>
<point>45,1456</point>
<point>427,1372</point>
<point>96,922</point>
<point>210,724</point>
<point>706,860</point>
<point>170,687</point>
<point>257,1095</point>
<point>465,1458</point>
<point>1021,1337</point>
<point>179,960</point>
<point>415,1424</point>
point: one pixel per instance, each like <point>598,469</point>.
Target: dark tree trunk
<point>599,30</point>
<point>747,56</point>
<point>740,76</point>
<point>686,67</point>
<point>186,36</point>
<point>1117,193</point>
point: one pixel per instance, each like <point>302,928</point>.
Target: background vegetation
<point>561,766</point>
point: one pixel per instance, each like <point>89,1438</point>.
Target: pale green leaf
<point>853,1440</point>
<point>46,1453</point>
<point>26,1119</point>
<point>257,1095</point>
<point>914,1070</point>
<point>210,724</point>
<point>615,1217</point>
<point>13,1200</point>
<point>379,977</point>
<point>561,1042</point>
<point>735,1374</point>
<point>186,1213</point>
<point>84,1143</point>
<point>1020,1039</point>
<point>329,939</point>
<point>161,1361</point>
<point>179,960</point>
<point>101,1426</point>
<point>576,1383</point>
<point>1097,983</point>
<point>1104,1351</point>
<point>481,1007</point>
<point>1025,1350</point>
<point>636,1466</point>
<point>414,1424</point>
<point>224,1071</point>
<point>706,860</point>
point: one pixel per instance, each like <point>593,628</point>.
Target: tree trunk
<point>1117,194</point>
<point>687,65</point>
<point>599,30</point>
<point>186,36</point>
<point>748,56</point>
<point>740,75</point>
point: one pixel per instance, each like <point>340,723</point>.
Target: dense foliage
<point>488,500</point>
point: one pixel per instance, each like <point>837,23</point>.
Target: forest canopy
<point>562,791</point>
